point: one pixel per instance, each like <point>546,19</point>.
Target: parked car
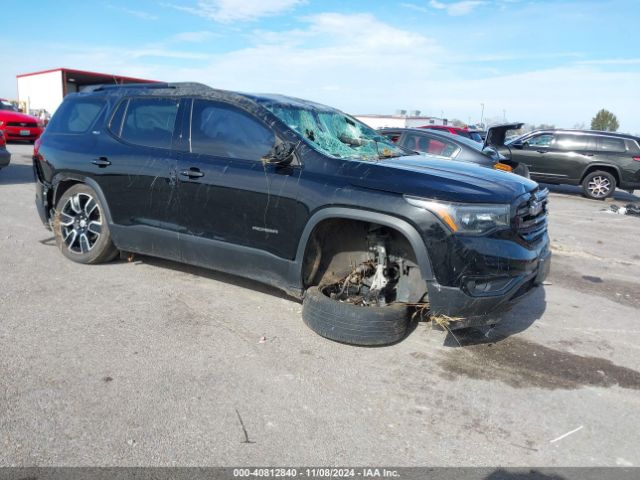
<point>294,194</point>
<point>454,147</point>
<point>16,125</point>
<point>5,156</point>
<point>598,161</point>
<point>462,131</point>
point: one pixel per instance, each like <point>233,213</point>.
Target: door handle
<point>192,173</point>
<point>541,151</point>
<point>101,162</point>
<point>588,154</point>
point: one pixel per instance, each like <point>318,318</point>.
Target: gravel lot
<point>155,363</point>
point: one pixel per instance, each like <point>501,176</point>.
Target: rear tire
<point>80,227</point>
<point>598,185</point>
<point>353,324</point>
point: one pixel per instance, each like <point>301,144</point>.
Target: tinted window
<point>150,121</point>
<point>434,146</point>
<point>75,115</point>
<point>5,105</point>
<point>543,140</point>
<point>223,131</point>
<point>632,146</point>
<point>394,137</point>
<point>610,144</point>
<point>575,142</point>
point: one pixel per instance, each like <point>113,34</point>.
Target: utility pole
<point>482,116</point>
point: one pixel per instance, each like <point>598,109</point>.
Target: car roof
<point>194,88</point>
<point>602,133</point>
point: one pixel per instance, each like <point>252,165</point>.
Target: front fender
<point>402,226</point>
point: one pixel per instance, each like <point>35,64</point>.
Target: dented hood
<point>444,180</point>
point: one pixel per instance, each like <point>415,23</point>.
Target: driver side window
<point>223,131</point>
<point>543,140</point>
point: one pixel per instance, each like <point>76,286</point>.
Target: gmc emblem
<point>535,208</point>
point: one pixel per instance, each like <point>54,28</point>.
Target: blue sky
<point>533,61</point>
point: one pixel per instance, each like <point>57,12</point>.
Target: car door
<point>572,153</point>
<point>536,152</point>
<point>227,194</point>
<point>136,168</point>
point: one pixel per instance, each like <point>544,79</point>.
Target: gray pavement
<point>156,363</point>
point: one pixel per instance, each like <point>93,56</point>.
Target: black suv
<point>599,161</point>
<point>294,194</point>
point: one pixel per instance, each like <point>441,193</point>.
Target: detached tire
<point>80,227</point>
<point>353,324</point>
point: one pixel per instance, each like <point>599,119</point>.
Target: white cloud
<point>361,64</point>
<point>192,37</point>
<point>457,8</point>
<point>612,61</point>
<point>136,13</point>
<point>413,6</point>
<point>226,11</point>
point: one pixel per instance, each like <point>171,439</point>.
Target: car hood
<point>9,116</point>
<point>444,180</point>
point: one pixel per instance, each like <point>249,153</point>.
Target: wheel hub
<point>80,223</point>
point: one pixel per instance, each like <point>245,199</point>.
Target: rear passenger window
<point>433,146</point>
<point>575,142</point>
<point>76,115</point>
<point>610,144</point>
<point>150,121</point>
<point>223,131</point>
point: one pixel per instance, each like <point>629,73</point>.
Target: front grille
<point>22,124</point>
<point>531,216</point>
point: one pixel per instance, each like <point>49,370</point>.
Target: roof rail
<point>98,88</point>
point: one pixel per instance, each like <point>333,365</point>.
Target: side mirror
<point>281,154</point>
<point>520,145</point>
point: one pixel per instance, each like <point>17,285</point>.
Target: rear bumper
<point>5,157</point>
<point>461,307</point>
<point>42,202</point>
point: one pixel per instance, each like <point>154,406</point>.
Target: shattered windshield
<point>333,133</point>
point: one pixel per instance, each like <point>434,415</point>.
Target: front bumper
<point>461,307</point>
<point>22,133</point>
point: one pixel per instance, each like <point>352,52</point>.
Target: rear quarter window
<point>76,115</point>
<point>610,144</point>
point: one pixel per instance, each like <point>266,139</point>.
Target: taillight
<point>36,149</point>
<point>503,166</point>
<point>637,159</point>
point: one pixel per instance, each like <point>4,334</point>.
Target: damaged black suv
<point>294,194</point>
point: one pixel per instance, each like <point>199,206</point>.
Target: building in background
<point>45,90</point>
<point>401,119</point>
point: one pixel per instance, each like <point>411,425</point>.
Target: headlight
<point>471,218</point>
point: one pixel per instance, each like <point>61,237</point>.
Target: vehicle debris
<point>628,209</point>
<point>567,434</point>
